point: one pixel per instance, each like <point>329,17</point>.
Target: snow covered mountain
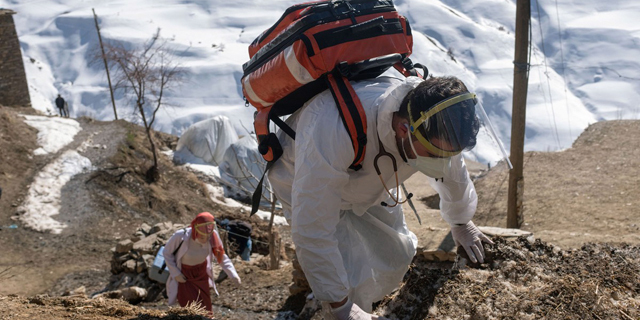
<point>584,57</point>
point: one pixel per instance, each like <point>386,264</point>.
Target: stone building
<point>14,90</point>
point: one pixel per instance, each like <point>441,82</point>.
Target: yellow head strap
<point>197,227</point>
<point>425,115</point>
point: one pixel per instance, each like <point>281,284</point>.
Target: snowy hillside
<point>584,57</point>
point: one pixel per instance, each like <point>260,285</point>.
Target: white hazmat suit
<point>346,242</point>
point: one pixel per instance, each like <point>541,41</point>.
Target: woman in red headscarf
<point>190,269</point>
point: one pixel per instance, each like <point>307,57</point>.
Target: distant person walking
<point>62,106</point>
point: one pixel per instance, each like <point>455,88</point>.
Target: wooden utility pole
<point>106,66</point>
<point>518,114</point>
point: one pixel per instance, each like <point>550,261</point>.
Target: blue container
<point>155,272</point>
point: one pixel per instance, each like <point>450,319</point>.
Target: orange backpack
<point>323,45</point>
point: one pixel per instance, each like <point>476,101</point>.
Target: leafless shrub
<point>145,74</point>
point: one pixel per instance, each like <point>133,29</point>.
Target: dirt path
<point>38,259</point>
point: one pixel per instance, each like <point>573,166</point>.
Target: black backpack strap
<point>268,143</point>
<point>284,127</point>
<point>351,113</point>
<point>353,118</point>
<point>164,264</point>
<point>257,194</point>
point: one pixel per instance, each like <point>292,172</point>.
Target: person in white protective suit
<point>348,227</point>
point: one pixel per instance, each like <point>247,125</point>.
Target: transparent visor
<point>454,125</point>
<point>205,228</point>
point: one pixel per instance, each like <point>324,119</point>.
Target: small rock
<point>531,239</point>
<point>441,255</point>
<point>148,259</point>
<point>146,245</point>
<point>145,228</point>
<point>124,246</point>
<point>160,227</point>
<point>429,255</point>
<point>129,266</point>
<point>615,295</point>
<point>141,266</point>
<point>131,294</point>
<point>77,292</point>
<point>140,235</point>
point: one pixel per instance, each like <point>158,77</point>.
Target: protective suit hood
<point>388,104</point>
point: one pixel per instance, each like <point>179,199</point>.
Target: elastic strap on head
<point>425,115</point>
<point>204,224</point>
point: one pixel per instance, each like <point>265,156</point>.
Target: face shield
<point>456,124</point>
<point>205,228</point>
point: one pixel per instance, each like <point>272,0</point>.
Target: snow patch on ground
<point>53,133</point>
<point>43,198</point>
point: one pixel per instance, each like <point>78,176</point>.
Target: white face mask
<point>431,167</point>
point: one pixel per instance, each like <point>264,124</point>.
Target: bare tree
<point>145,73</point>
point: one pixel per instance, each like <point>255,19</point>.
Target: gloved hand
<point>236,281</point>
<point>351,311</point>
<point>470,238</point>
<point>181,279</point>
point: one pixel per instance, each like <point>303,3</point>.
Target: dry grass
<point>526,279</point>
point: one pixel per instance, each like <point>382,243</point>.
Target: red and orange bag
<point>322,45</point>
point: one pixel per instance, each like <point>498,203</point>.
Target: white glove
<point>470,238</point>
<point>351,311</point>
<point>236,281</point>
<point>180,278</point>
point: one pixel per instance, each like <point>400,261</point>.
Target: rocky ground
<point>579,204</point>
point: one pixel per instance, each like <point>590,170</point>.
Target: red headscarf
<point>216,243</point>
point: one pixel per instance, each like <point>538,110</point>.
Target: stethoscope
<point>382,153</point>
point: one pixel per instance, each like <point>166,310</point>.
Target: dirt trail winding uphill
<point>37,259</point>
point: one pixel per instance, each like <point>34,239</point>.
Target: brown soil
<point>587,193</point>
<point>583,194</point>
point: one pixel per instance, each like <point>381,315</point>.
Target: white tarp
<point>205,142</point>
<point>243,166</point>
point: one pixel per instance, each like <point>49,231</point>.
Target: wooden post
<point>274,249</point>
<point>106,66</point>
<point>518,114</point>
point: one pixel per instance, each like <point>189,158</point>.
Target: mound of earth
<point>524,279</point>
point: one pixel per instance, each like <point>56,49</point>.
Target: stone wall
<point>13,81</point>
